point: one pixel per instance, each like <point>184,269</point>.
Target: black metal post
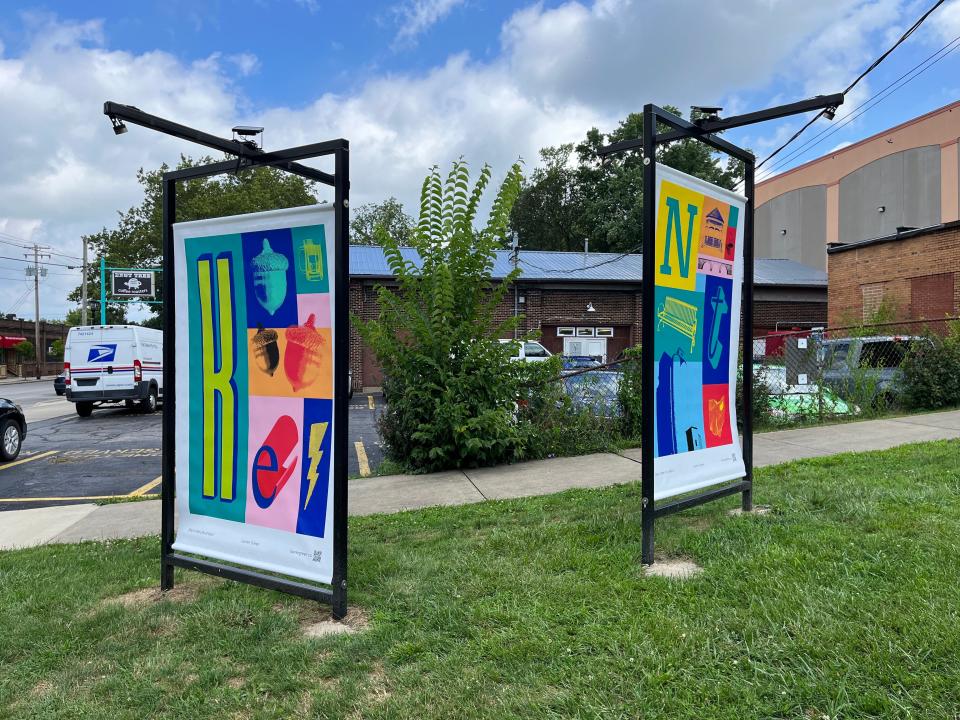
<point>341,362</point>
<point>746,500</point>
<point>169,388</point>
<point>648,512</point>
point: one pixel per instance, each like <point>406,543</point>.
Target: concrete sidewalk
<point>394,493</point>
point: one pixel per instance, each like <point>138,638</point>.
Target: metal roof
<point>546,266</point>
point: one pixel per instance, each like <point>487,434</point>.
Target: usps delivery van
<point>113,364</point>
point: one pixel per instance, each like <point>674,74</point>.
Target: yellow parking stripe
<point>144,489</point>
<point>58,499</point>
<point>362,459</point>
<point>48,453</point>
<point>370,402</point>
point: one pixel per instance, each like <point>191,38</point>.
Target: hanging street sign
<point>132,283</point>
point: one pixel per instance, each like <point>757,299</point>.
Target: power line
<point>852,85</point>
<point>30,262</point>
<point>867,104</point>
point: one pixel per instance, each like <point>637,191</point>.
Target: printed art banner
<point>699,270</point>
<point>254,390</point>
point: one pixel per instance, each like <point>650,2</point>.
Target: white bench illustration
<point>681,316</point>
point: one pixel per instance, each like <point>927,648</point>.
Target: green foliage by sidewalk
<point>931,371</point>
<point>451,387</point>
<point>840,603</point>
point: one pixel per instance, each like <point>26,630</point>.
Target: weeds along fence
<point>817,375</point>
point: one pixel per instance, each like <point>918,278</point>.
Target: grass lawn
<point>843,602</point>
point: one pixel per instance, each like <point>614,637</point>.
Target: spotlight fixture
<point>590,307</point>
<point>118,127</point>
<point>783,231</point>
<point>247,134</point>
<point>881,208</point>
<point>830,112</point>
<point>706,112</point>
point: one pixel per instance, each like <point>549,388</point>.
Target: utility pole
<point>38,352</point>
<point>83,292</point>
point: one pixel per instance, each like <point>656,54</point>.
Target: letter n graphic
<point>218,365</point>
<point>675,232</point>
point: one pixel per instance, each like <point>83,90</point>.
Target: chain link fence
<point>825,374</point>
<point>808,376</point>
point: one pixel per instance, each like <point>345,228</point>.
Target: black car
<point>13,429</point>
<point>60,384</point>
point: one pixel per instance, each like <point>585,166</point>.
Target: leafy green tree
<point>450,383</point>
<point>137,240</point>
<point>58,346</point>
<point>25,349</point>
<point>388,214</point>
<point>567,202</point>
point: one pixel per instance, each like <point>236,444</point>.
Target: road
<point>116,452</point>
<point>37,398</point>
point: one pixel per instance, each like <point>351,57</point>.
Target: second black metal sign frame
<point>703,131</point>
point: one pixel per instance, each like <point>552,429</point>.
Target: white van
<point>112,364</point>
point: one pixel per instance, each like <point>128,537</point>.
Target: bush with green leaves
<point>629,393</point>
<point>452,389</point>
<point>930,374</point>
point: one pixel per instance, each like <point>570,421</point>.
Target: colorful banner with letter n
<point>698,281</point>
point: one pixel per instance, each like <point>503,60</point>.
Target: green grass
<point>843,602</point>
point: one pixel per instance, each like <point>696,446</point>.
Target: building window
<point>604,332</point>
<point>584,332</point>
<point>565,332</point>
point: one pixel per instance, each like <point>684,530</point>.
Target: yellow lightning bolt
<point>317,432</point>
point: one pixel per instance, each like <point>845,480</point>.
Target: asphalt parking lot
<point>116,453</point>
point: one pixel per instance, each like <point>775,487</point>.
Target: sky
<point>411,84</point>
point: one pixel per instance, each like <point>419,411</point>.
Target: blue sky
<point>411,83</point>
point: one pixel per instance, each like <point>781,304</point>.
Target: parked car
<point>865,370</point>
<point>113,364</point>
<point>60,384</point>
<point>13,430</point>
<point>596,391</point>
<point>527,351</point>
<point>579,362</point>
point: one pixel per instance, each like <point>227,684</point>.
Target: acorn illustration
<point>303,359</point>
<point>270,277</point>
<point>266,352</point>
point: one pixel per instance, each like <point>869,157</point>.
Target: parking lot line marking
<point>362,459</point>
<point>147,487</point>
<point>48,453</point>
<point>58,499</point>
<point>370,402</point>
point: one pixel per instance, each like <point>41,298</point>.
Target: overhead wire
<point>873,65</point>
<point>868,104</point>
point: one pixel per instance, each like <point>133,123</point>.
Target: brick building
<point>914,273</point>
<point>587,304</point>
<point>15,331</point>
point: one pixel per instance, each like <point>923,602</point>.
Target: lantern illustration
<point>266,352</point>
<point>270,277</point>
<point>303,359</point>
<point>312,260</point>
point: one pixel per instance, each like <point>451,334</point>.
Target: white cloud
<point>560,72</point>
<point>418,16</point>
<point>946,20</point>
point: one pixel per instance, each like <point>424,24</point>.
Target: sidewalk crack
<point>470,480</point>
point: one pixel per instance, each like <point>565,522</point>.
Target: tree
<point>601,200</point>
<point>450,382</point>
<point>388,214</point>
<point>58,346</point>
<point>25,349</point>
<point>137,239</point>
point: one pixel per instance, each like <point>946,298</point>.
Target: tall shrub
<point>450,385</point>
<point>931,371</point>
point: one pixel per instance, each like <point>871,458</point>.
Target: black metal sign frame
<point>251,157</point>
<point>652,137</point>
